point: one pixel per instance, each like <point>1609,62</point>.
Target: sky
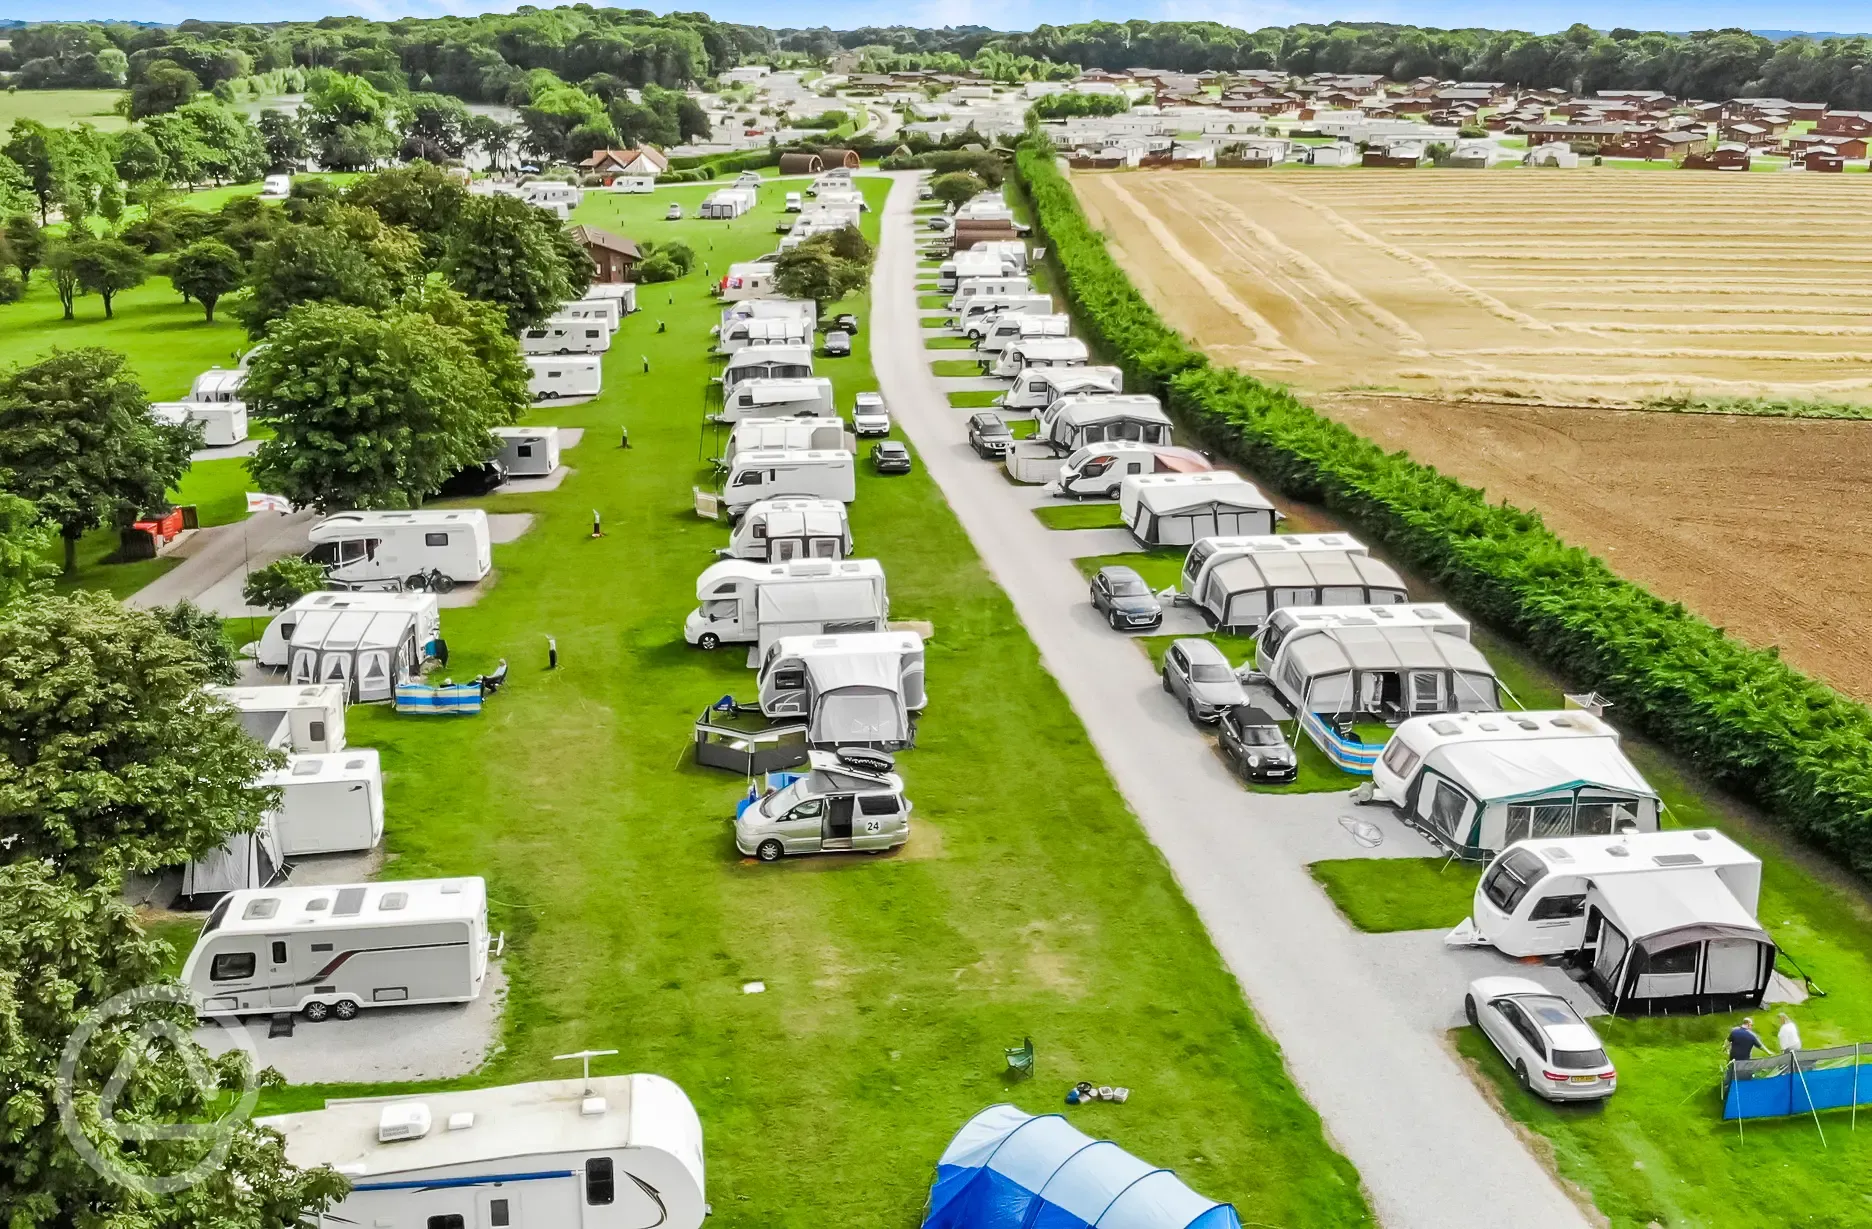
<point>1540,17</point>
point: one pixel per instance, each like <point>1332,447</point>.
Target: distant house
<point>1821,158</point>
<point>626,163</point>
<point>1576,135</point>
<point>614,256</point>
<point>1722,158</point>
<point>1855,147</point>
<point>1393,153</point>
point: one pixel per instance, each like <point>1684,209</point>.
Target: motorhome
<point>546,193</point>
<point>274,648</point>
<point>787,330</point>
<point>1238,581</point>
<point>1039,387</point>
<point>1018,356</point>
<point>1076,420</point>
<point>361,547</point>
<point>552,376</point>
<point>727,203</point>
<point>564,335</point>
<point>624,292</point>
<point>218,384</point>
<point>1098,471</point>
<point>611,1152</point>
<point>333,950</point>
<point>329,803</point>
<point>275,187</point>
<point>764,398</point>
<point>743,602</point>
<point>611,311</point>
<point>858,689</point>
<point>787,434</point>
<point>847,801</point>
<point>970,288</point>
<point>527,452</point>
<point>368,652</point>
<point>223,423</point>
<point>974,320</point>
<point>765,473</point>
<point>1479,782</point>
<point>1004,329</point>
<point>779,530</point>
<point>763,362</point>
<point>1177,509</point>
<point>308,718</point>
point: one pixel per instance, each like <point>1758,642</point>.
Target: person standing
<point>1788,1036</point>
<point>1744,1041</point>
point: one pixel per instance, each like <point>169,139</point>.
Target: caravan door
<point>374,680</point>
<point>838,822</point>
<point>282,988</point>
<point>304,666</point>
<point>336,668</point>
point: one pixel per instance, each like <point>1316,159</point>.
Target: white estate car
<point>870,416</point>
<point>1554,1053</point>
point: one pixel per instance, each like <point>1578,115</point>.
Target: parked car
<point>846,321</point>
<point>989,436</point>
<point>1255,747</point>
<point>890,457</point>
<point>926,193</point>
<point>870,416</point>
<point>1555,1054</point>
<point>1196,672</point>
<point>673,213</point>
<point>477,479</point>
<point>1127,603</point>
<point>838,344</point>
<point>848,800</point>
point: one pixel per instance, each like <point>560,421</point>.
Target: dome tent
<point>1007,1169</point>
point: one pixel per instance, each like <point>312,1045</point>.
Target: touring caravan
<point>1239,585</point>
<point>1006,328</point>
<point>328,803</point>
<point>786,434</point>
<point>382,546</point>
<point>308,718</point>
<point>1039,387</point>
<point>966,266</point>
<point>779,530</point>
<point>624,292</point>
<point>787,330</point>
<point>763,362</point>
<point>528,452</point>
<point>724,204</point>
<point>368,652</point>
<point>1205,553</point>
<point>1018,356</point>
<point>764,473</point>
<point>332,950</point>
<point>611,1152</point>
<point>565,335</point>
<point>741,602</point>
<point>859,689</point>
<point>223,423</point>
<point>1075,420</point>
<point>1479,782</point>
<point>748,279</point>
<point>218,384</point>
<point>550,376</point>
<point>274,646</point>
<point>1098,471</point>
<point>969,288</point>
<point>983,310</point>
<point>778,398</point>
<point>548,192</point>
<point>1177,509</point>
<point>765,307</point>
<point>611,311</point>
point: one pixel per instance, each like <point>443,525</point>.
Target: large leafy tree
<point>369,409</point>
<point>508,252</point>
<point>283,136</point>
<point>957,188</point>
<point>200,630</point>
<point>69,169</point>
<point>419,197</point>
<point>77,439</point>
<point>205,270</point>
<point>342,254</point>
<point>26,244</point>
<point>483,329</point>
<point>347,123</point>
<point>816,269</point>
<point>165,85</point>
<point>105,267</point>
<point>434,127</point>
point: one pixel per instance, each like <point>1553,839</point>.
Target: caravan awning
<point>1188,498</point>
<point>1688,904</point>
<point>1387,648</point>
<point>1525,768</point>
<point>816,601</point>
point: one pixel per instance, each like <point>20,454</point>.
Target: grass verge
<point>947,343</point>
<point>1100,515</point>
<point>975,399</point>
<point>1380,895</point>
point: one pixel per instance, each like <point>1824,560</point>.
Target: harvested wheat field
<point>1587,287</point>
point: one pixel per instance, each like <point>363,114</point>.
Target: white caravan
<point>328,803</point>
<point>964,266</point>
<point>612,1152</point>
<point>766,363</point>
<point>971,288</point>
<point>779,530</point>
<point>564,335</point>
<point>366,651</point>
<point>361,547</point>
<point>307,719</point>
<point>1039,352</point>
<point>1098,471</point>
<point>1293,620</point>
<point>1036,389</point>
<point>742,602</point>
<point>334,949</point>
<point>765,473</point>
<point>727,203</point>
<point>854,690</point>
<point>223,423</point>
<point>546,193</point>
<point>974,319</point>
<point>1205,554</point>
<point>624,292</point>
<point>1177,509</point>
<point>765,307</point>
<point>1240,584</point>
<point>1076,420</point>
<point>611,311</point>
<point>786,434</point>
<point>1003,329</point>
<point>218,384</point>
<point>527,452</point>
<point>633,185</point>
<point>788,330</point>
<point>274,646</point>
<point>767,398</point>
<point>568,375</point>
<point>276,187</point>
<point>748,279</point>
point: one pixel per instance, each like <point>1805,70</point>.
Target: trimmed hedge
<point>1740,714</point>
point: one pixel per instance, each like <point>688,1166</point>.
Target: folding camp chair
<point>1020,1059</point>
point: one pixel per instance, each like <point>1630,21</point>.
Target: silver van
<point>847,801</point>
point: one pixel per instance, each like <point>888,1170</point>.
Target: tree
<point>347,256</point>
<point>505,251</point>
<point>369,409</point>
<point>165,86</point>
<point>281,583</point>
<point>346,123</point>
<point>61,261</point>
<point>205,270</point>
<point>107,266</point>
<point>77,439</point>
<point>957,188</point>
<point>493,138</point>
<point>814,270</point>
<point>32,147</point>
<point>140,163</point>
<point>284,138</point>
<point>434,127</point>
<point>419,197</point>
<point>24,537</point>
<point>26,243</point>
<point>483,329</point>
<point>200,630</point>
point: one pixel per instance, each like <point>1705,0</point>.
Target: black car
<point>838,344</point>
<point>477,479</point>
<point>1254,746</point>
<point>989,436</point>
<point>890,457</point>
<point>1127,603</point>
<point>847,322</point>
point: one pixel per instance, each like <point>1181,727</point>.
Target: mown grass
<point>1022,428</point>
<point>975,399</point>
<point>948,343</point>
<point>955,367</point>
<point>1101,515</point>
<point>932,301</point>
<point>1161,569</point>
<point>62,108</point>
<point>1381,895</point>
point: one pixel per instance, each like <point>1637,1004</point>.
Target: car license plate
<point>1585,1079</point>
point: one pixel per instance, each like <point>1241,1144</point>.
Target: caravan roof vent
<point>317,903</point>
<point>1525,724</point>
<point>592,1107</point>
<point>1701,834</point>
<point>353,765</point>
<point>350,902</point>
<point>1677,859</point>
<point>403,1120</point>
<point>1559,853</point>
<point>461,1120</point>
<point>1446,728</point>
<point>1618,851</point>
<point>1563,721</point>
<point>306,767</point>
<point>264,907</point>
<point>390,901</point>
<point>310,693</point>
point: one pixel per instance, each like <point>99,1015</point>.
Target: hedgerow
<point>1740,714</point>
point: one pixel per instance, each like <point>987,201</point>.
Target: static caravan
<point>611,311</point>
<point>786,434</point>
<point>624,292</point>
<point>727,203</point>
<point>218,384</point>
<point>1660,920</point>
<point>527,452</point>
<point>1036,389</point>
<point>368,652</point>
<point>860,689</point>
<point>766,363</point>
<point>1018,356</point>
<point>248,860</point>
<point>368,546</point>
<point>779,530</point>
<point>765,398</point>
<point>548,192</point>
<point>274,646</point>
<point>788,330</point>
<point>1074,421</point>
<point>307,719</point>
<point>972,264</point>
<point>328,803</point>
<point>617,1152</point>
<point>970,288</point>
<point>986,310</point>
<point>550,376</point>
<point>765,473</point>
<point>1240,587</point>
<point>335,949</point>
<point>565,335</point>
<point>223,423</point>
<point>738,601</point>
<point>1178,509</point>
<point>1006,328</point>
<point>1098,471</point>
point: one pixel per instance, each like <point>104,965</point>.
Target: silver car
<point>1197,672</point>
<point>1554,1053</point>
<point>847,801</point>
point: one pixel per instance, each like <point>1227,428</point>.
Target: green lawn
<point>948,343</point>
<point>169,342</point>
<point>1021,428</point>
<point>1385,894</point>
<point>60,108</point>
<point>218,489</point>
<point>1161,569</point>
<point>1100,515</point>
<point>955,367</point>
<point>931,301</point>
<point>1029,902</point>
<point>976,399</point>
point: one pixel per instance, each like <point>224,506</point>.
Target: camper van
<point>611,311</point>
<point>329,803</point>
<point>983,310</point>
<point>218,384</point>
<point>565,335</point>
<point>786,434</point>
<point>1177,509</point>
<point>1039,387</point>
<point>332,950</point>
<point>223,423</point>
<point>1238,584</point>
<point>787,330</point>
<point>765,473</point>
<point>1076,420</point>
<point>742,602</point>
<point>860,689</point>
<point>779,530</point>
<point>1479,782</point>
<point>274,646</point>
<point>766,362</point>
<point>368,652</point>
<point>360,547</point>
<point>551,376</point>
<point>1018,356</point>
<point>847,802</point>
<point>527,452</point>
<point>970,288</point>
<point>308,719</point>
<point>611,1152</point>
<point>765,398</point>
<point>1098,471</point>
<point>276,187</point>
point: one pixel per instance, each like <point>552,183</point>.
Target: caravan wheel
<point>710,641</point>
<point>316,1012</point>
<point>345,1009</point>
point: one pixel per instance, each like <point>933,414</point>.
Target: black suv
<point>989,436</point>
<point>1127,603</point>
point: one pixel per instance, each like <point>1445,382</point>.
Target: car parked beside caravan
<point>568,375</point>
<point>362,547</point>
<point>765,473</point>
<point>779,530</point>
<point>742,602</point>
<point>847,802</point>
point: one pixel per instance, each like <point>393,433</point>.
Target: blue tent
<point>1007,1169</point>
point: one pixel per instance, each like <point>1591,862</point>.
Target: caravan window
<point>789,680</point>
<point>1540,820</point>
<point>217,915</point>
<point>1553,908</point>
<point>1400,759</point>
<point>437,539</point>
<point>451,1220</point>
<point>600,1182</point>
<point>232,966</point>
<point>1446,808</point>
<point>1508,883</point>
<point>719,609</point>
<point>1671,960</point>
<point>751,477</point>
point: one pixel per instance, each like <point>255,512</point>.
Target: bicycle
<point>432,581</point>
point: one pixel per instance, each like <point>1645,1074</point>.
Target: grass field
<point>59,108</point>
<point>948,343</point>
<point>975,399</point>
<point>1161,569</point>
<point>1074,515</point>
<point>930,301</point>
<point>1385,894</point>
<point>169,342</point>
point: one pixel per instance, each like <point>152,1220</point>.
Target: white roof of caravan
<point>364,599</point>
<point>1408,614</point>
<point>1074,379</point>
<point>1670,849</point>
<point>754,458</point>
<point>523,433</point>
<point>811,600</point>
<point>813,648</point>
<point>1080,410</point>
<point>825,519</point>
<point>1168,494</point>
<point>218,378</point>
<point>297,908</point>
<point>561,360</point>
<point>1503,756</point>
<point>781,434</point>
<point>1338,649</point>
<point>281,697</point>
<point>752,268</point>
<point>1659,901</point>
<point>795,505</point>
<point>352,629</point>
<point>1050,347</point>
<point>1282,543</point>
<point>516,1120</point>
<point>1305,569</point>
<point>750,356</point>
<point>342,524</point>
<point>795,569</point>
<point>778,392</point>
<point>355,764</point>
